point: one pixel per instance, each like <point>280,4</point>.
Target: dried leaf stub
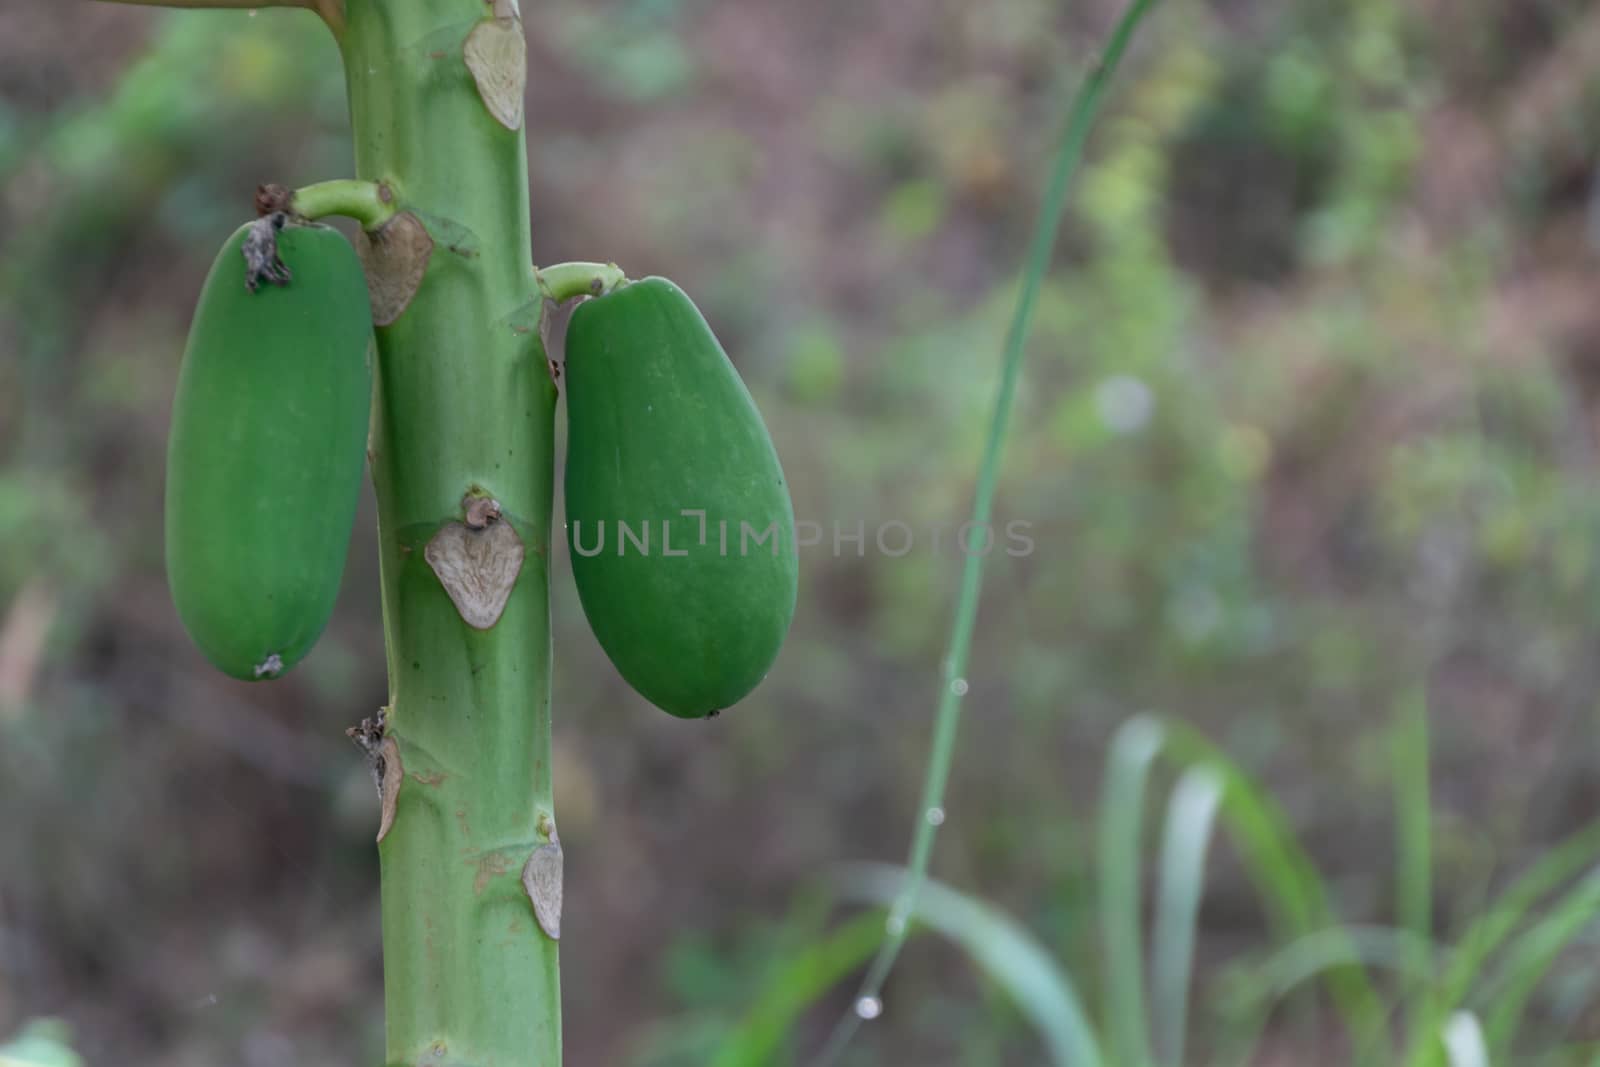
<point>273,198</point>
<point>480,511</point>
<point>527,318</point>
<point>395,257</point>
<point>383,755</point>
<point>478,568</point>
<point>387,770</point>
<point>369,734</point>
<point>450,235</point>
<point>497,56</point>
<point>541,878</point>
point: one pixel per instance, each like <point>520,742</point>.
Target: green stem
<point>953,686</point>
<point>369,203</point>
<point>1414,839</point>
<point>463,406</point>
<point>563,281</point>
<point>1121,906</point>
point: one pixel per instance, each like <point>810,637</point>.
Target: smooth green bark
<point>463,403</point>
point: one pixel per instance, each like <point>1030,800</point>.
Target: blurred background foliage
<point>1309,425</point>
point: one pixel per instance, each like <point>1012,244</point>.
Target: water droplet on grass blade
<point>869,1007</point>
<point>935,816</point>
<point>959,687</point>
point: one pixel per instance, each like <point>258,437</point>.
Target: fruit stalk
<point>463,410</point>
<point>369,203</point>
<point>564,281</point>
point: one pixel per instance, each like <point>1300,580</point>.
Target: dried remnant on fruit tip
<point>541,880</point>
<point>477,568</point>
<point>497,56</point>
<point>395,257</point>
<point>270,667</point>
<point>260,251</point>
<point>273,198</point>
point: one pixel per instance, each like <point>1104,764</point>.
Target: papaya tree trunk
<point>462,461</point>
<point>461,456</point>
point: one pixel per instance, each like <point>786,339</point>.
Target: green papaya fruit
<point>679,522</point>
<point>265,458</point>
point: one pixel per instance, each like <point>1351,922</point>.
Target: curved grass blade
<point>1002,949</point>
<point>1326,951</point>
<point>676,1042</point>
<point>1381,947</point>
<point>1532,956</point>
<point>795,987</point>
<point>1081,117</point>
<point>1485,936</point>
<point>1284,875</point>
<point>1413,817</point>
<point>1191,815</point>
<point>1413,821</point>
<point>42,1043</point>
<point>1133,750</point>
<point>1463,1041</point>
